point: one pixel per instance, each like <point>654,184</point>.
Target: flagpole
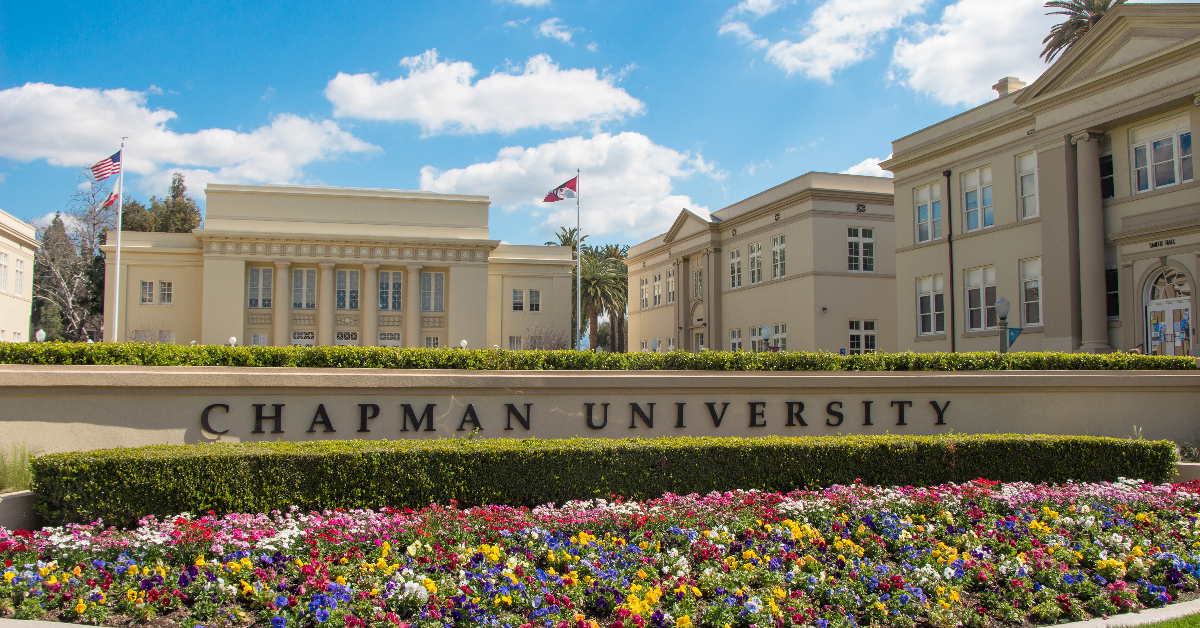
<point>578,269</point>
<point>117,288</point>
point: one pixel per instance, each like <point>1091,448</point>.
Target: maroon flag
<point>566,190</point>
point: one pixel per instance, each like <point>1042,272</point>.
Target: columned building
<point>18,244</point>
<point>314,266</point>
<point>807,261</point>
<point>1074,198</point>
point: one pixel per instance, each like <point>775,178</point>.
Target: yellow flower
<point>696,592</point>
<point>641,574</point>
<point>131,595</point>
<point>8,576</point>
<point>779,593</point>
<point>80,607</point>
<point>340,580</point>
<point>374,592</point>
<point>52,580</point>
<point>432,588</point>
<point>387,548</point>
<point>78,573</point>
<point>200,560</point>
<point>683,622</point>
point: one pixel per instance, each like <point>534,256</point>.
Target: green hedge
<point>122,485</point>
<point>146,354</point>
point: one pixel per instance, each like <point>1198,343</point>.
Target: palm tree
<point>601,288</point>
<point>615,308</point>
<point>570,237</point>
<point>1081,15</point>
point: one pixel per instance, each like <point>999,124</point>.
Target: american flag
<point>107,167</point>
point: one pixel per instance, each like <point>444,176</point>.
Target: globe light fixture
<point>1002,308</point>
<point>654,346</point>
<point>40,335</point>
<point>233,341</point>
<point>463,344</point>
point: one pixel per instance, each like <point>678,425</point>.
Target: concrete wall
<point>87,407</point>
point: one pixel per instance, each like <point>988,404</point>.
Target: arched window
<point>1170,284</point>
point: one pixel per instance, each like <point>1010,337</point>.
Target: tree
<point>1081,16</point>
<point>570,237</point>
<point>175,213</point>
<point>60,282</point>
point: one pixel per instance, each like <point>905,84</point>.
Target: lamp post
<point>654,346</point>
<point>40,335</point>
<point>1002,307</point>
<point>766,336</point>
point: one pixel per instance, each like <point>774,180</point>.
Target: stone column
<point>325,305</point>
<point>412,309</point>
<point>369,301</point>
<point>1093,307</point>
<point>283,304</point>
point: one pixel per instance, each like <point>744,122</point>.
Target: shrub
<point>153,354</point>
<point>122,485</point>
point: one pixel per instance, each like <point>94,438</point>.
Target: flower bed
<point>978,554</point>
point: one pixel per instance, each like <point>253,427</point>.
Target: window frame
<point>735,268</point>
<point>1112,293</point>
<point>514,340</point>
<point>433,293</point>
<point>147,297</point>
<point>984,308</point>
<point>1025,278</point>
<point>1023,195</point>
<point>165,292</point>
<point>756,263</point>
<point>698,283</point>
<point>857,246</point>
<point>656,290</point>
<point>779,336</point>
<point>986,212</point>
<point>391,290</point>
<point>307,290</point>
<point>778,256</point>
<point>518,301</point>
<point>534,305</point>
<point>260,287</point>
<point>862,331</point>
<point>1110,179</point>
<point>670,285</point>
<point>3,271</point>
<point>936,317</point>
<point>644,292</point>
<point>346,290</point>
<point>1178,168</point>
<point>19,278</point>
<point>933,205</point>
<point>735,339</point>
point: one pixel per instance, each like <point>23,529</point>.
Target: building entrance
<point>1168,315</point>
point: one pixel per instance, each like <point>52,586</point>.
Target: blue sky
<point>663,105</point>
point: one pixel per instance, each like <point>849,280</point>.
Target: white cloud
<point>593,47</point>
<point>758,7</point>
<point>73,127</point>
<point>529,3</point>
<point>515,23</point>
<point>840,33</point>
<point>555,29</point>
<point>975,43</point>
<point>440,96</point>
<point>869,167</point>
<point>627,184</point>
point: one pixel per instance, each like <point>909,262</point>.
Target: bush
<point>122,485</point>
<point>148,354</point>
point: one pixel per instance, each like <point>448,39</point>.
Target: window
<point>535,300</point>
<point>735,268</point>
<point>981,298</point>
<point>433,286</point>
<point>645,295</point>
<point>977,199</point>
<point>779,336</point>
<point>147,293</point>
<point>304,289</point>
<point>346,292</point>
<point>391,290</point>
<point>862,337</point>
<point>256,340</point>
<point>931,306</point>
<point>1027,203</point>
<point>670,344</point>
<point>345,339</point>
<point>164,293</point>
<point>304,338</point>
<point>778,257</point>
<point>1108,187</point>
<point>657,289</point>
<point>645,346</point>
<point>928,200</point>
<point>139,335</point>
<point>700,342</point>
<point>16,337</point>
<point>258,288</point>
<point>697,284</point>
<point>1,335</point>
<point>518,300</point>
<point>861,245</point>
<point>3,272</point>
<point>756,340</point>
<point>1031,291</point>
<point>18,277</point>
<point>390,339</point>
<point>1162,155</point>
<point>735,340</point>
<point>671,286</point>
<point>756,263</point>
<point>514,343</point>
<point>432,342</point>
<point>1111,292</point>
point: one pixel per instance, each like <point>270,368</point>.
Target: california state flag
<point>566,190</point>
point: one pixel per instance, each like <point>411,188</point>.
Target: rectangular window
<point>256,340</point>
<point>779,336</point>
<point>19,277</point>
<point>1031,291</point>
<point>390,339</point>
<point>735,268</point>
<point>778,257</point>
<point>518,300</point>
<point>3,272</point>
<point>514,343</point>
<point>861,246</point>
<point>432,342</point>
<point>147,293</point>
<point>671,286</point>
<point>981,298</point>
<point>16,336</point>
<point>645,345</point>
<point>258,288</point>
<point>697,284</point>
<point>1108,188</point>
<point>345,339</point>
<point>928,200</point>
<point>304,338</point>
<point>644,290</point>
<point>535,300</point>
<point>657,289</point>
<point>756,263</point>
<point>346,293</point>
<point>391,290</point>
<point>164,293</point>
<point>977,199</point>
<point>1112,293</point>
<point>304,289</point>
<point>735,340</point>
<point>862,337</point>
<point>139,335</point>
<point>166,336</point>
<point>756,339</point>
<point>1027,203</point>
<point>670,344</point>
<point>433,286</point>
<point>931,306</point>
<point>1162,155</point>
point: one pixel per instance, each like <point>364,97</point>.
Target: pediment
<point>686,224</point>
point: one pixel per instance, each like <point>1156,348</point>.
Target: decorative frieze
<point>258,318</point>
<point>346,320</point>
<point>433,322</point>
<point>391,320</point>
<point>304,319</point>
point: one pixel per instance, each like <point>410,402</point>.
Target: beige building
<point>809,260</point>
<point>296,265</point>
<point>17,246</point>
<point>1073,198</point>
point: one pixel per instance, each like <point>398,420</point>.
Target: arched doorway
<point>1168,313</point>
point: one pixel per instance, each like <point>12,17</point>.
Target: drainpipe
<point>950,248</point>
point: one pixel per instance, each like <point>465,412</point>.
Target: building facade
<point>18,244</point>
<point>316,266</point>
<point>1074,198</point>
<point>808,260</point>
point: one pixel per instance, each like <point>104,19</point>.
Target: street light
<point>463,343</point>
<point>40,335</point>
<point>1002,307</point>
<point>233,341</point>
<point>766,336</point>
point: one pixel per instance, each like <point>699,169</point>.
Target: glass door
<point>1169,329</point>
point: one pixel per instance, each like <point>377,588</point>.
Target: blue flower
<point>278,622</point>
<point>281,601</point>
<point>322,615</point>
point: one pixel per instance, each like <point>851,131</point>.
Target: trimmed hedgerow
<point>122,485</point>
<point>147,354</point>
